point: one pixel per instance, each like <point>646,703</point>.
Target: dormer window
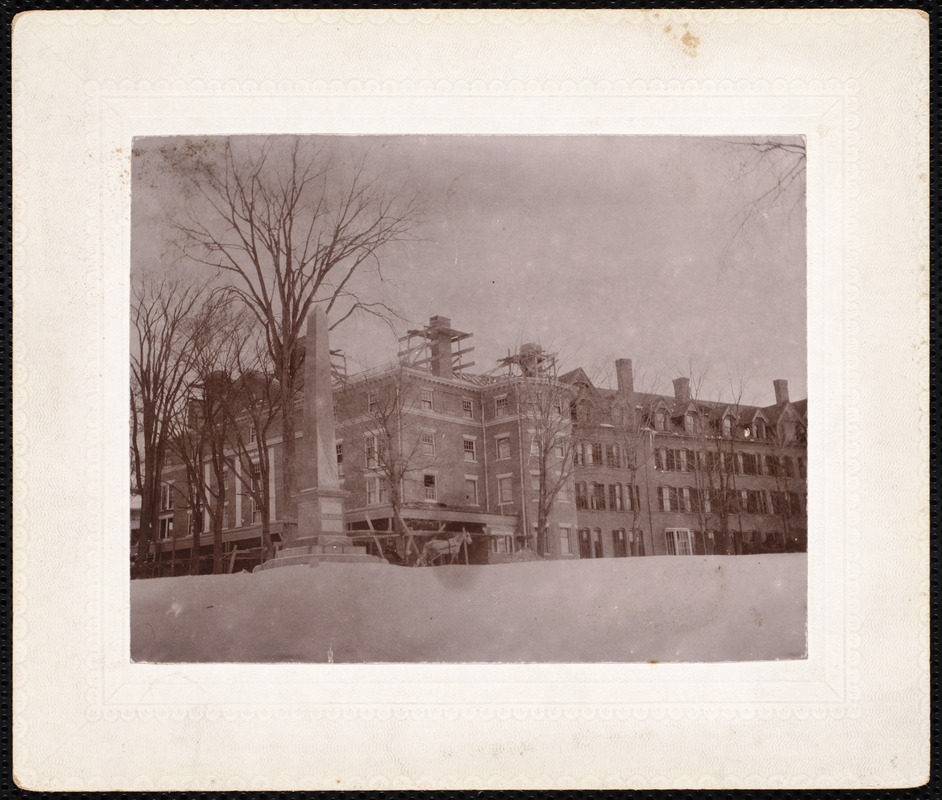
<point>760,429</point>
<point>690,422</point>
<point>660,420</point>
<point>727,427</point>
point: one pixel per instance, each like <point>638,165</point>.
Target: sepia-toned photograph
<point>436,399</point>
<point>468,399</point>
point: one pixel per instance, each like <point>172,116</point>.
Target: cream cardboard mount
<point>854,714</point>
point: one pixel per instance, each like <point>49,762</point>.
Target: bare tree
<point>632,419</point>
<point>289,227</point>
<point>788,470</point>
<point>396,448</point>
<point>163,331</point>
<point>772,174</point>
<point>253,409</point>
<point>716,439</point>
<point>202,430</point>
<point>544,402</point>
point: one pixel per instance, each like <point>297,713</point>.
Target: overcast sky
<point>597,247</point>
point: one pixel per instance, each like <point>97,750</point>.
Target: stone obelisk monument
<point>320,532</point>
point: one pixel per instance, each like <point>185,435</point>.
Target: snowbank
<point>712,608</point>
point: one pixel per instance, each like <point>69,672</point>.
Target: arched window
<point>597,543</point>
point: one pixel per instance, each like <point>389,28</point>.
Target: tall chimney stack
<point>682,389</point>
<point>531,356</point>
<point>781,391</point>
<point>624,376</point>
<point>440,330</point>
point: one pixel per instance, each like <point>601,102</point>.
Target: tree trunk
<point>197,522</point>
<point>218,555</point>
<point>289,503</point>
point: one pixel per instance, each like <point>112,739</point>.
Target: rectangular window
<point>750,464</point>
<point>166,528</point>
<point>755,502</point>
<point>616,500</point>
<point>375,491</point>
<point>431,490</point>
<point>558,406</point>
<point>503,448</point>
<point>660,459</point>
<point>597,453</point>
<point>782,503</point>
<point>582,498</point>
<point>535,447</point>
<point>597,496</point>
<point>794,504</point>
<point>339,449</point>
<point>470,451</point>
<point>597,542</point>
<point>471,491</point>
<point>565,545</point>
<point>619,543</point>
<point>585,543</point>
<point>505,490</point>
<point>371,402</point>
<point>788,467</point>
<point>166,497</point>
<point>698,501</point>
<point>256,479</point>
<point>579,454</point>
<point>535,482</point>
<point>371,450</point>
<point>559,448</point>
<point>427,400</point>
<point>253,434</point>
<point>500,406</point>
<point>679,542</point>
<point>428,443</point>
<point>467,408</point>
<point>689,460</point>
<point>670,498</point>
<point>563,495</point>
<point>613,456</point>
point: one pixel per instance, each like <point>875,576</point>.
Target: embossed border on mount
<point>828,680</point>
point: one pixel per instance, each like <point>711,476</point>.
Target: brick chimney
<point>440,335</point>
<point>531,355</point>
<point>624,376</point>
<point>781,391</point>
<point>682,389</point>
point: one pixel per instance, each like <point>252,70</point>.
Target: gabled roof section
<point>681,407</point>
<point>576,376</point>
<point>775,413</point>
<point>751,413</point>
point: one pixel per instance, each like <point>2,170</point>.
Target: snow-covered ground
<point>712,608</point>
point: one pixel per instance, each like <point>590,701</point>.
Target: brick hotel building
<point>444,450</point>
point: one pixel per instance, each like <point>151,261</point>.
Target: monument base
<point>310,552</point>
